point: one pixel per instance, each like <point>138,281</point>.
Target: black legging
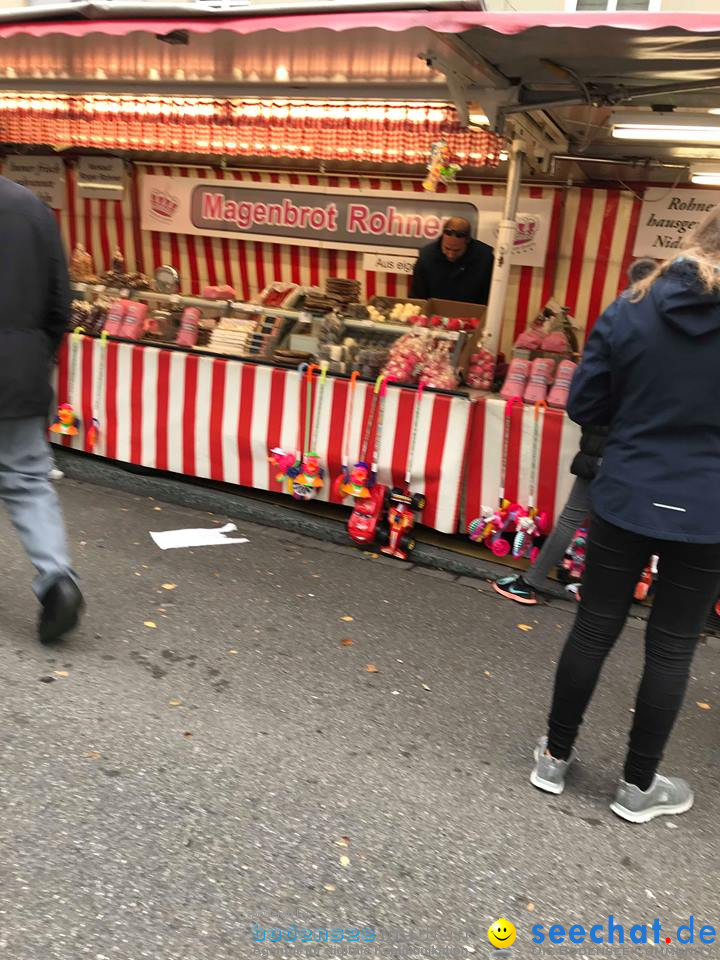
<point>688,582</point>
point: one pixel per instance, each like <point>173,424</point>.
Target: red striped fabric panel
<point>434,457</point>
<point>275,417</point>
<point>111,380</point>
<point>189,413</point>
<point>340,397</point>
<point>628,256</point>
<point>136,404</point>
<point>549,462</point>
<point>87,412</point>
<point>511,479</point>
<point>162,407</point>
<point>245,425</point>
<point>474,460</point>
<point>553,248</point>
<point>136,219</point>
<point>217,408</point>
<point>602,258</point>
<point>578,249</point>
<point>403,433</point>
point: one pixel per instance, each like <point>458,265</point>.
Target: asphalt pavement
<point>292,735</point>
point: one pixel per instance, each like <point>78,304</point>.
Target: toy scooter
<point>402,504</point>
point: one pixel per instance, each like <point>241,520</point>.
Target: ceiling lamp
<point>677,127</point>
<point>705,174</point>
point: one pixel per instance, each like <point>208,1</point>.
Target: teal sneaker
<point>515,588</point>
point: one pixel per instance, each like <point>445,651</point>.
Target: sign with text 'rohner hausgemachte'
<point>375,221</point>
<point>666,222</point>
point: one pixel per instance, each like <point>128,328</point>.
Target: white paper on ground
<point>173,539</point>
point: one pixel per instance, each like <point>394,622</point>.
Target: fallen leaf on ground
<point>92,755</point>
<point>150,624</point>
<point>232,651</point>
<point>47,679</point>
<point>187,734</point>
<point>344,860</point>
<point>169,586</point>
<point>343,842</point>
<point>425,687</point>
<point>330,887</point>
<point>703,705</point>
<point>371,668</point>
<point>374,555</point>
<point>524,626</point>
<point>531,907</point>
<point>158,509</point>
<point>347,619</point>
<point>137,573</point>
<point>346,642</point>
<point>487,673</point>
<point>175,702</point>
<point>62,673</point>
<point>396,693</point>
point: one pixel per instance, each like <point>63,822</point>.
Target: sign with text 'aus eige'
<point>665,222</point>
<point>394,222</point>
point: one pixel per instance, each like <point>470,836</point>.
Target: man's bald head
<point>455,238</point>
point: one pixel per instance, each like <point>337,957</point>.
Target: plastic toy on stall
<point>301,473</point>
<point>493,531</point>
<point>67,422</point>
<point>402,503</point>
<point>440,170</point>
<point>365,525</point>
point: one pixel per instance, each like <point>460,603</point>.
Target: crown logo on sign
<point>525,231</point>
<point>163,204</point>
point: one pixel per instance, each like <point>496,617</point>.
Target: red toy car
<point>365,525</point>
<point>402,507</point>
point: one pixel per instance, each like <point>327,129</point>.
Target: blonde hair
<point>702,247</point>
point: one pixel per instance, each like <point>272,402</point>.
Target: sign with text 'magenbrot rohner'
<point>666,222</point>
<point>391,222</point>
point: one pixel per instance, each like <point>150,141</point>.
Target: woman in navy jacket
<point>651,370</point>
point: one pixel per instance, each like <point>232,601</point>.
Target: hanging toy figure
<point>358,482</point>
<point>67,422</point>
<point>440,170</point>
<point>343,485</point>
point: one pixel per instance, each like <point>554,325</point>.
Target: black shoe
<point>62,605</point>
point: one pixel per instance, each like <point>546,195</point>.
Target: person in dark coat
<point>455,267</point>
<point>523,588</point>
<point>650,371</point>
<point>34,309</point>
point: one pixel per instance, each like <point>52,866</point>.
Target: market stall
<point>228,274</point>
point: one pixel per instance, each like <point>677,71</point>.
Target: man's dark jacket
<point>467,279</point>
<point>34,301</point>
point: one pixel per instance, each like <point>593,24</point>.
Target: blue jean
<point>30,499</point>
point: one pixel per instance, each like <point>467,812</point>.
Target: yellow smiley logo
<point>501,933</point>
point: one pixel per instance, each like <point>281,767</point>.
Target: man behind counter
<point>455,267</point>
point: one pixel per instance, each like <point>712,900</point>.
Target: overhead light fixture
<point>705,174</point>
<point>682,127</point>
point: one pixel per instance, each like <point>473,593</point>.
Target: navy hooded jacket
<point>651,370</point>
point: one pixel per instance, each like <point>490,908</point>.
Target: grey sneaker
<point>548,773</point>
<point>665,796</point>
